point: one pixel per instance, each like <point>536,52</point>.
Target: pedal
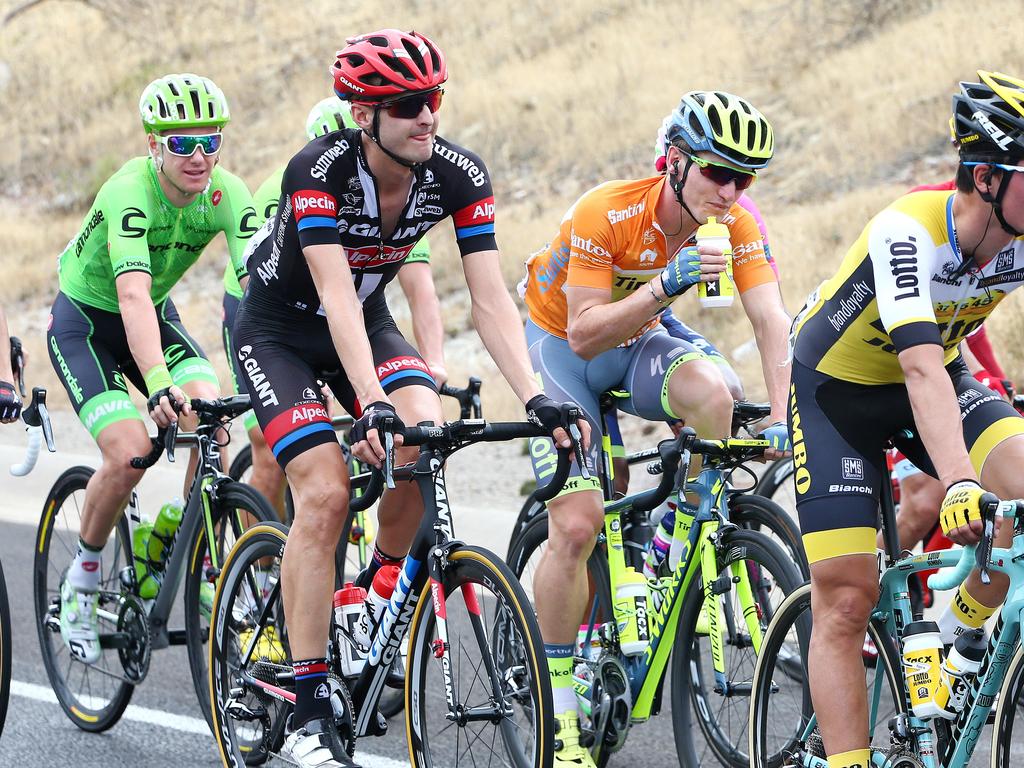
<point>380,728</point>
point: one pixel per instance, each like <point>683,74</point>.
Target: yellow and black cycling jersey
<point>904,282</point>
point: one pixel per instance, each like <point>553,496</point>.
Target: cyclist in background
<point>113,320</point>
<point>876,353</point>
<point>625,250</point>
<point>417,281</point>
<point>10,402</point>
<point>353,205</point>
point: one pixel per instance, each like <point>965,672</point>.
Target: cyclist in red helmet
<point>354,203</point>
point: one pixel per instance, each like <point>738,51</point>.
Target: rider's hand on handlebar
<point>439,372</point>
<point>165,405</point>
<point>365,436</point>
<point>551,415</point>
<point>10,403</point>
<point>960,512</point>
<point>778,435</point>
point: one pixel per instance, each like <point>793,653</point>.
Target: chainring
<point>344,716</point>
<point>135,655</point>
<point>611,704</point>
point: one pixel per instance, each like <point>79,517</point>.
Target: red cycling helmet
<point>386,63</point>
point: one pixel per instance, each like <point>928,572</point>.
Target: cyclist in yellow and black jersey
<point>875,353</point>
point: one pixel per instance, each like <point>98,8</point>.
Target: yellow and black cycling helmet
<point>988,116</point>
<point>724,124</point>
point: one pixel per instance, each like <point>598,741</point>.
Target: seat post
<point>887,509</point>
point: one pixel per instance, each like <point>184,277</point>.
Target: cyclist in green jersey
<point>417,282</point>
<point>113,320</point>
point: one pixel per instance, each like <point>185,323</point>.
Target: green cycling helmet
<point>183,101</point>
<point>331,114</point>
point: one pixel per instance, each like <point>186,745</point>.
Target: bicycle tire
<point>531,509</point>
<point>232,498</point>
<point>1005,751</point>
<point>58,536</point>
<point>229,621</point>
<point>5,650</point>
<point>522,684</point>
<point>773,680</point>
<point>525,550</point>
<point>776,474</point>
<point>759,513</point>
<point>769,567</point>
<point>241,464</point>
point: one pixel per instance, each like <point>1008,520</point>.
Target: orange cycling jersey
<point>609,239</point>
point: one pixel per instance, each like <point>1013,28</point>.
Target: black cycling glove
<point>371,418</point>
<point>10,403</point>
<point>548,413</point>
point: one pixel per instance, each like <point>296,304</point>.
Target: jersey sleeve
<point>472,199</point>
<point>749,262</point>
<point>314,205</point>
<point>236,216</point>
<point>902,255</point>
<point>591,244</point>
<point>129,217</point>
<point>420,253</point>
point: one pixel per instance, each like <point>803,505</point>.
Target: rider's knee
<point>574,533</point>
<point>848,608</point>
<point>321,505</point>
<point>118,454</point>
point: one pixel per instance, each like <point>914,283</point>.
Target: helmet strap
<point>375,135</point>
<point>677,183</point>
<point>997,205</point>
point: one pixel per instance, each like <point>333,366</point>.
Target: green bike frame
<point>701,533</point>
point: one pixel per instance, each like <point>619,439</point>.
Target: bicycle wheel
<point>248,610</point>
<point>777,484</point>
<point>720,730</point>
<point>1008,734</point>
<point>241,465</point>
<point>5,650</point>
<point>531,509</point>
<point>93,696</point>
<point>238,507</point>
<point>499,671</point>
<point>760,513</point>
<point>780,708</point>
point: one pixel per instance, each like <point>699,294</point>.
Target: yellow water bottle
<point>922,650</point>
<point>717,293</point>
<point>631,613</point>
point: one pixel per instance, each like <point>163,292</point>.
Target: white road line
<point>178,722</point>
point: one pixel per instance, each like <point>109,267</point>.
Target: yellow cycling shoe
<point>569,753</point>
<point>268,647</point>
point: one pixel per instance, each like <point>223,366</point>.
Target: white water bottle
<point>717,293</point>
<point>958,670</point>
<point>348,608</point>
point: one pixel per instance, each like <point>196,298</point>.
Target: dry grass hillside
<point>554,96</point>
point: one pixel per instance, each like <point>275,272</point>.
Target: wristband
<point>650,287</point>
<point>157,378</point>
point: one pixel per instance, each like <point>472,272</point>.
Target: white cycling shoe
<point>317,745</point>
<point>78,623</point>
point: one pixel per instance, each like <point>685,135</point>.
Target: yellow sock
<point>855,758</point>
<point>968,611</point>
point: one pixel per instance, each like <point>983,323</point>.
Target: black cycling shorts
<point>89,351</point>
<point>283,353</point>
<point>839,431</point>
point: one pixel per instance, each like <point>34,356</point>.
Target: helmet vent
<point>734,124</point>
<point>716,121</point>
<point>379,40</point>
<point>400,66</point>
<point>415,55</point>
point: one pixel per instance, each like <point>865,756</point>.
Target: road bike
<point>217,510</point>
<point>476,685</point>
<point>783,729</point>
<point>718,598</point>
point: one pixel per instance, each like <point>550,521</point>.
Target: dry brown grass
<point>556,97</point>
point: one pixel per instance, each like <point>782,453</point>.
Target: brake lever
<point>983,553</point>
<point>389,454</point>
<point>170,437</point>
<point>577,446</point>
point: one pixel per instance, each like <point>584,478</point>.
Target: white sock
<point>84,573</point>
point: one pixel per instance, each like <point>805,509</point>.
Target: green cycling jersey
<point>266,199</point>
<point>133,227</point>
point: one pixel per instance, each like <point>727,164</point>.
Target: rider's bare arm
<point>597,324</point>
<point>768,318</point>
